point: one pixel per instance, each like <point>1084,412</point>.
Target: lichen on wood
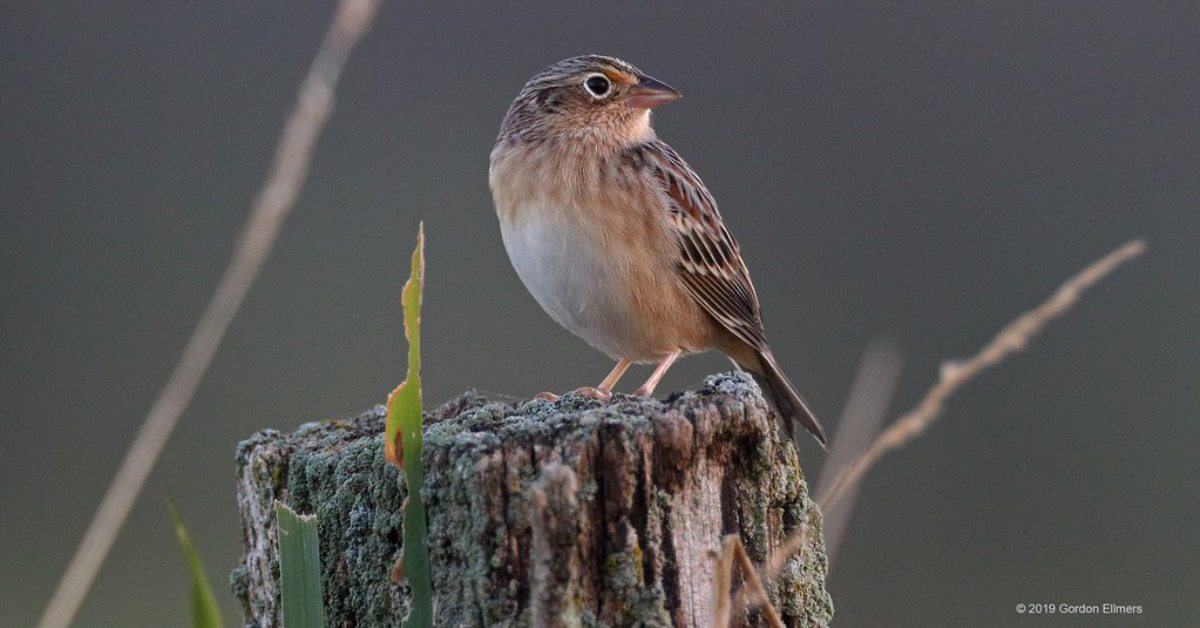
<point>577,512</point>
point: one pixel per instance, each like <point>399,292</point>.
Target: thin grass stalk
<point>1012,338</point>
<point>274,202</point>
<point>866,407</point>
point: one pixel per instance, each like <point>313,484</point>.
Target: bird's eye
<point>597,85</point>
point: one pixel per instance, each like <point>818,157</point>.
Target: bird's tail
<point>787,401</point>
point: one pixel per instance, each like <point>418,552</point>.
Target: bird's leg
<point>604,390</point>
<point>647,389</point>
<point>614,376</point>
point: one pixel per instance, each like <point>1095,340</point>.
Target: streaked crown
<point>592,98</point>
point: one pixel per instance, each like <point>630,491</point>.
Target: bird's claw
<point>593,392</point>
<point>547,396</point>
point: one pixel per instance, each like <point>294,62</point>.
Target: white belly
<point>569,277</point>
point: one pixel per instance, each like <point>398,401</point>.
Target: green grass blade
<point>299,569</point>
<point>205,613</point>
<point>403,447</point>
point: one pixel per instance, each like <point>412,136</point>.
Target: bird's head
<point>591,98</point>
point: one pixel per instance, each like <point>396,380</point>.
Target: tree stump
<point>574,513</point>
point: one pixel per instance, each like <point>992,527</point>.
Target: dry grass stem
<point>1011,339</point>
<point>866,407</point>
<point>724,606</point>
<point>275,200</point>
<point>722,583</point>
<point>755,586</point>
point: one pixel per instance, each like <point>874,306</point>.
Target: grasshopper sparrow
<point>617,238</point>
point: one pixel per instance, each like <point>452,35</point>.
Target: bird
<point>617,238</point>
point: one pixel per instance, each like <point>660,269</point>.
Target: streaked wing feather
<point>710,262</point>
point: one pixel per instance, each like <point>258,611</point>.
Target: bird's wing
<point>709,262</point>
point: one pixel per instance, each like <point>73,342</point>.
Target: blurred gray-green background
<point>921,170</point>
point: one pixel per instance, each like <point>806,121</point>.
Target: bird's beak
<point>650,93</point>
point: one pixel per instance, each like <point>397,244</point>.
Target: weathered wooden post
<point>547,514</point>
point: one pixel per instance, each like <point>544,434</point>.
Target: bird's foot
<point>548,396</point>
<point>644,392</point>
<point>594,393</point>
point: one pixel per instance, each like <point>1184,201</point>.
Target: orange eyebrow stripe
<point>617,76</point>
